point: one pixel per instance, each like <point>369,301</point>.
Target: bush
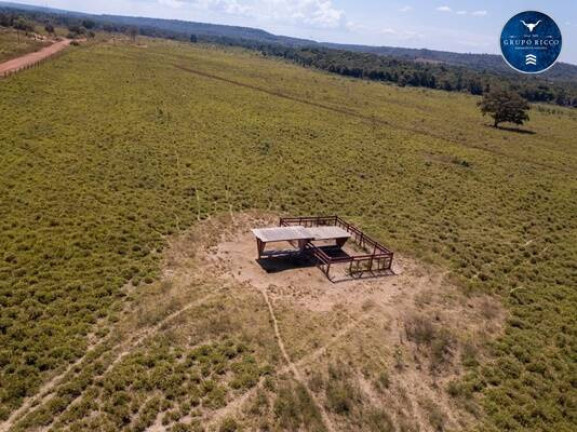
<point>24,25</point>
<point>377,420</point>
<point>341,392</point>
<point>383,381</point>
<point>340,397</point>
<point>420,330</point>
<point>228,425</point>
<point>294,408</point>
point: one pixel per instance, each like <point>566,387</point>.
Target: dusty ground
<point>381,311</point>
<point>301,281</point>
<point>27,60</point>
<point>370,355</point>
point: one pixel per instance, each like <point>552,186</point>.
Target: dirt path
<point>296,373</point>
<point>373,120</point>
<point>234,406</point>
<point>122,349</point>
<point>46,390</point>
<point>376,312</point>
<point>28,60</point>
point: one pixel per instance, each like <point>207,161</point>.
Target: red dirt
<point>19,63</point>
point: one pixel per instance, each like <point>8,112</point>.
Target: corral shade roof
<point>279,234</point>
<point>328,233</point>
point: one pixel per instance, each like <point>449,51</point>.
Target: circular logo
<point>531,42</point>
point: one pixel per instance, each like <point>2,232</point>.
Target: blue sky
<point>460,26</point>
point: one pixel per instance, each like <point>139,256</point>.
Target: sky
<point>458,26</point>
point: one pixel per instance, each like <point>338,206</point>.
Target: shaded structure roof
<point>302,232</point>
<point>328,233</point>
<point>293,233</point>
<point>279,234</point>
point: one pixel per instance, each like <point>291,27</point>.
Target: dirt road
<point>19,63</point>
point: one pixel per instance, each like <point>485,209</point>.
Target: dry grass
<point>197,348</point>
<point>140,150</point>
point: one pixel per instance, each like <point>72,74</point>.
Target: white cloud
<point>356,27</point>
<point>388,31</point>
<point>384,35</point>
<point>314,13</point>
<point>399,35</point>
<point>175,4</point>
<point>479,13</point>
<point>406,9</point>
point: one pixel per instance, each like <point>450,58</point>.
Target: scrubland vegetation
<point>14,44</point>
<point>470,73</point>
<point>111,150</point>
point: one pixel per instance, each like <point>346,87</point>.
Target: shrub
<point>383,381</point>
<point>228,425</point>
<point>420,330</point>
<point>377,420</point>
<point>294,408</point>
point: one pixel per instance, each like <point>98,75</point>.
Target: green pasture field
<point>111,148</point>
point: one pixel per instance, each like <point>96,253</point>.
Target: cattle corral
<point>312,237</point>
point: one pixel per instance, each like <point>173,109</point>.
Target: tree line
<point>16,22</point>
<point>22,23</point>
<point>423,74</point>
<point>369,66</point>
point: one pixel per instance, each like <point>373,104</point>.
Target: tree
<point>75,31</point>
<point>505,106</point>
<point>24,25</point>
<point>49,29</point>
<point>193,38</point>
<point>5,20</point>
<point>88,24</point>
<point>133,32</point>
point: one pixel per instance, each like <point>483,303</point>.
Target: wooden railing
<point>378,260</point>
<point>31,65</point>
<point>310,221</point>
<point>323,261</point>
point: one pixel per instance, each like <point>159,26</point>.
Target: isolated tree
<point>193,38</point>
<point>24,25</point>
<point>561,98</point>
<point>505,106</point>
<point>133,32</point>
<point>49,29</point>
<point>5,20</point>
<point>75,31</point>
<point>88,24</point>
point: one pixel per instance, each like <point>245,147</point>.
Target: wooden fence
<point>31,65</point>
<point>378,258</point>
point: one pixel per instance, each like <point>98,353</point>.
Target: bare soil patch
<point>27,60</point>
<point>365,354</point>
<point>415,327</point>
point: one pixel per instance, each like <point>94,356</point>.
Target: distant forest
<point>475,74</point>
<point>423,74</point>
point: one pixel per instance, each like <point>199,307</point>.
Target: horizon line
<point>345,44</point>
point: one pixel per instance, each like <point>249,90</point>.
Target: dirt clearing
<point>31,59</point>
<point>219,343</point>
<point>389,346</point>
